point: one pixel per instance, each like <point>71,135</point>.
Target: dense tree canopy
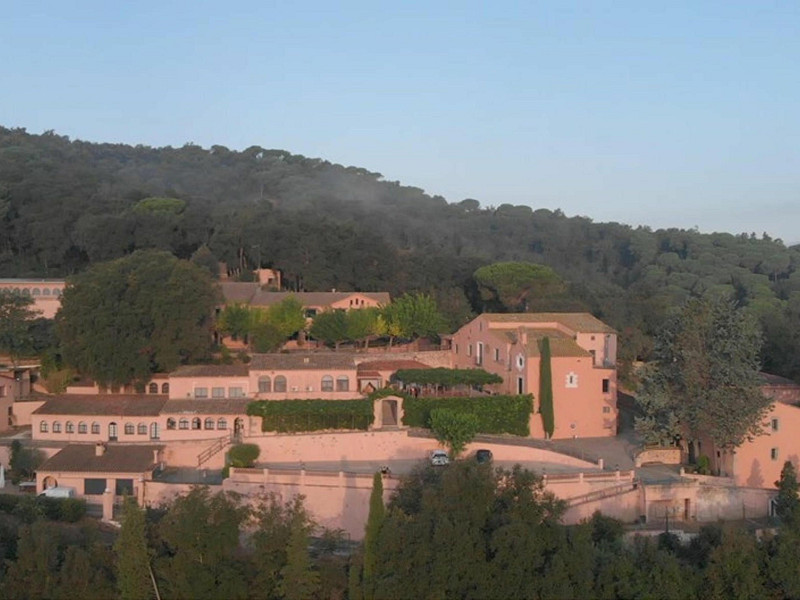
<point>67,204</point>
<point>705,378</point>
<point>122,320</point>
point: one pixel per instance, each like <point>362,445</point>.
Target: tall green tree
<point>16,320</point>
<point>377,513</point>
<point>299,579</point>
<point>546,388</point>
<point>330,327</point>
<point>705,380</point>
<point>202,561</point>
<point>787,503</point>
<point>121,321</point>
<point>519,287</point>
<point>133,557</point>
<point>454,428</point>
<point>414,316</point>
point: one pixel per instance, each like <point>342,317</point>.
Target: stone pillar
<point>108,505</point>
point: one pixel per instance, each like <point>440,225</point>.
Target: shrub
<point>704,465</point>
<point>312,415</point>
<point>495,414</point>
<point>243,455</point>
<point>71,510</point>
<point>454,428</point>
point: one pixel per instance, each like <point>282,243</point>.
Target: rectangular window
<point>606,410</point>
<point>479,357</point>
<point>497,355</point>
<point>606,385</point>
<point>469,349</point>
<point>235,392</point>
<point>94,487</point>
<point>775,424</point>
<point>520,385</point>
<point>218,392</point>
<point>201,392</point>
<point>456,348</point>
<point>773,454</point>
<point>2,391</point>
<point>124,487</point>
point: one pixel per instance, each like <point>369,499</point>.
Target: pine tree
<point>546,388</point>
<point>787,503</point>
<point>299,580</point>
<point>377,513</point>
<point>133,575</point>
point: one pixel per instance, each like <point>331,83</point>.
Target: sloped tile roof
<point>321,299</point>
<point>117,405</point>
<point>128,458</point>
<point>391,365</point>
<point>299,361</point>
<point>211,371</point>
<point>578,322</point>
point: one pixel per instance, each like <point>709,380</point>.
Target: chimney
<point>99,449</point>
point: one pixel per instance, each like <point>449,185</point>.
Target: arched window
<point>141,429</point>
<point>222,423</point>
<point>327,383</point>
<point>165,388</point>
<point>170,423</point>
<point>280,383</point>
<point>56,427</point>
<point>81,427</point>
<point>342,383</point>
<point>196,423</point>
<point>95,427</point>
<point>153,388</point>
<point>183,424</point>
<point>56,292</point>
<point>43,426</point>
<point>209,424</point>
<point>265,384</point>
<point>37,292</point>
<point>69,427</point>
<point>129,429</point>
<point>45,291</point>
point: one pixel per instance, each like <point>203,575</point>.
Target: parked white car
<point>439,458</point>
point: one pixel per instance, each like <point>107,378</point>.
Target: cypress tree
<point>133,575</point>
<point>299,580</point>
<point>546,388</point>
<point>787,503</point>
<point>377,513</point>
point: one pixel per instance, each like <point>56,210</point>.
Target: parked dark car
<point>483,456</point>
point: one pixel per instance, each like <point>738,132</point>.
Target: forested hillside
<point>67,204</point>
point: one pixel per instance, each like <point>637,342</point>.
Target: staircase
<point>608,492</point>
<point>213,449</point>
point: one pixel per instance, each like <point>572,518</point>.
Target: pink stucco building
<point>46,293</point>
<point>757,463</point>
<point>583,365</point>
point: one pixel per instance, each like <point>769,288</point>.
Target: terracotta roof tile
<point>777,380</point>
<point>578,322</point>
<point>211,371</point>
<point>236,292</point>
<point>123,405</point>
<point>320,299</point>
<point>299,361</point>
<point>391,365</point>
<point>126,458</point>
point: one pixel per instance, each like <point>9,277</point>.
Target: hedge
<point>312,415</point>
<point>29,508</point>
<point>496,414</point>
<point>447,377</point>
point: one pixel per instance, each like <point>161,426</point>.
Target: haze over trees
<point>67,204</point>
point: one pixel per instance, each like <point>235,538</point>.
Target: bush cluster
<point>495,414</point>
<point>312,415</point>
<point>30,508</point>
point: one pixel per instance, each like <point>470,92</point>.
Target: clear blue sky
<point>681,113</point>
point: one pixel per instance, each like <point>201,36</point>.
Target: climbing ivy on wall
<point>495,414</point>
<point>312,415</point>
<point>546,388</point>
